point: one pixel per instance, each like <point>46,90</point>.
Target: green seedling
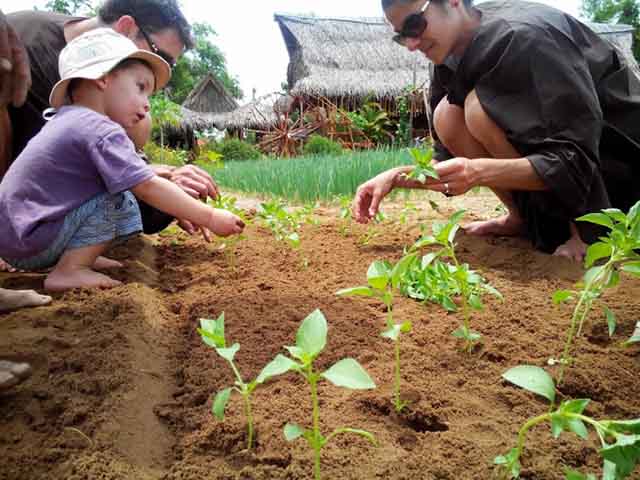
<point>619,439</point>
<point>617,252</point>
<point>212,333</point>
<point>407,209</point>
<point>444,280</point>
<point>345,215</point>
<point>311,339</point>
<point>382,280</point>
<point>282,224</point>
<point>229,244</point>
<point>424,168</point>
<point>372,231</point>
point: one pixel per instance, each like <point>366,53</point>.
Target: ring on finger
<point>5,64</point>
<point>446,188</point>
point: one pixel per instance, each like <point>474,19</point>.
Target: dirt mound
<point>123,383</point>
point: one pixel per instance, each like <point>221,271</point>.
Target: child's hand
<point>225,223</point>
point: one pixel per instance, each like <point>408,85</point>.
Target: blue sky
<point>251,40</point>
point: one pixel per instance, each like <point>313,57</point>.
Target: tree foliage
<point>616,11</point>
<point>69,7</point>
<point>195,64</point>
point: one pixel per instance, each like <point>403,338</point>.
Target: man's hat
<point>94,54</point>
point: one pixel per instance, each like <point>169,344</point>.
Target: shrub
<point>234,149</point>
<point>319,145</point>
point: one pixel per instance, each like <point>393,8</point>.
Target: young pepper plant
<point>423,167</point>
<point>470,285</point>
<point>620,440</point>
<point>617,252</point>
<point>212,333</point>
<point>311,339</point>
<point>382,280</point>
<point>229,244</point>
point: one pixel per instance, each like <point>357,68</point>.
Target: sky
<point>250,38</point>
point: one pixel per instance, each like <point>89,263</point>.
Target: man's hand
<point>225,223</point>
<point>195,181</point>
<point>15,73</point>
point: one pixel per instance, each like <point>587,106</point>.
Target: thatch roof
<point>259,113</point>
<point>210,96</point>
<point>355,57</point>
<point>347,57</point>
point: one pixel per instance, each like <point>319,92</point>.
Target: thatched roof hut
<point>260,113</point>
<point>355,57</point>
<point>347,57</point>
<point>210,96</point>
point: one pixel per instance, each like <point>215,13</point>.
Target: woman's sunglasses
<point>154,48</point>
<point>413,26</point>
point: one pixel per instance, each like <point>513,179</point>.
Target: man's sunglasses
<point>154,48</point>
<point>413,26</point>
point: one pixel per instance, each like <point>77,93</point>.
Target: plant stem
<point>247,409</point>
<point>578,317</point>
<point>522,434</point>
<point>465,305</point>
<point>398,402</point>
<point>313,381</point>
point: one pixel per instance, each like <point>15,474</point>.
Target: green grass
<point>306,179</point>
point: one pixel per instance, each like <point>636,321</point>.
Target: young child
<point>70,194</point>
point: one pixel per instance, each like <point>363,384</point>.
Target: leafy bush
<point>319,145</point>
<point>165,156</point>
<point>234,149</point>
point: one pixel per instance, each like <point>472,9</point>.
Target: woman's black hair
<point>151,15</point>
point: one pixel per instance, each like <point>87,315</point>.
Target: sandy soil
<point>123,383</point>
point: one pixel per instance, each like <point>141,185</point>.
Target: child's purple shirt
<point>78,154</point>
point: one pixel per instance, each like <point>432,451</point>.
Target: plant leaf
<point>623,426</point>
<point>277,366</point>
<point>616,214</point>
<point>597,218</point>
<point>293,431</point>
<point>532,378</point>
<point>400,269</point>
<point>378,275</point>
<point>625,454</point>
<point>392,332</point>
<point>363,433</point>
<point>576,475</point>
<point>212,331</point>
<point>597,251</point>
<point>312,334</point>
<point>349,373</point>
<point>635,337</point>
<point>229,353</point>
<point>220,403</point>
<point>632,267</point>
<point>560,296</point>
<point>611,320</point>
<point>355,291</point>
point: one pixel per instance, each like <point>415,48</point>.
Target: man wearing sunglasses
<point>529,102</point>
<point>155,25</point>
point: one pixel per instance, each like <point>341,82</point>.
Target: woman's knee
<point>447,121</point>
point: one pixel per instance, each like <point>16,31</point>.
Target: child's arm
<point>168,197</point>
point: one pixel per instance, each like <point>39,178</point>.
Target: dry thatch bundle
<point>348,57</point>
<point>262,113</point>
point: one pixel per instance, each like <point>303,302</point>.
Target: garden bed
<point>123,382</point>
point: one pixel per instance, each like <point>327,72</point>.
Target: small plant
<point>468,284</point>
<point>424,168</point>
<point>311,339</point>
<point>283,225</point>
<point>319,145</point>
<point>382,280</point>
<point>618,252</point>
<point>407,209</point>
<point>345,215</point>
<point>212,333</point>
<point>372,231</point>
<point>229,244</point>
<point>620,440</point>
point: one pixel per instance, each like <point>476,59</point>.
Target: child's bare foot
<point>104,263</point>
<point>80,277</point>
<point>506,225</point>
<point>14,299</point>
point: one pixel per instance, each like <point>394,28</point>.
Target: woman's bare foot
<point>79,277</point>
<point>14,299</point>
<point>574,248</point>
<point>507,225</point>
<point>12,373</point>
<point>104,263</point>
